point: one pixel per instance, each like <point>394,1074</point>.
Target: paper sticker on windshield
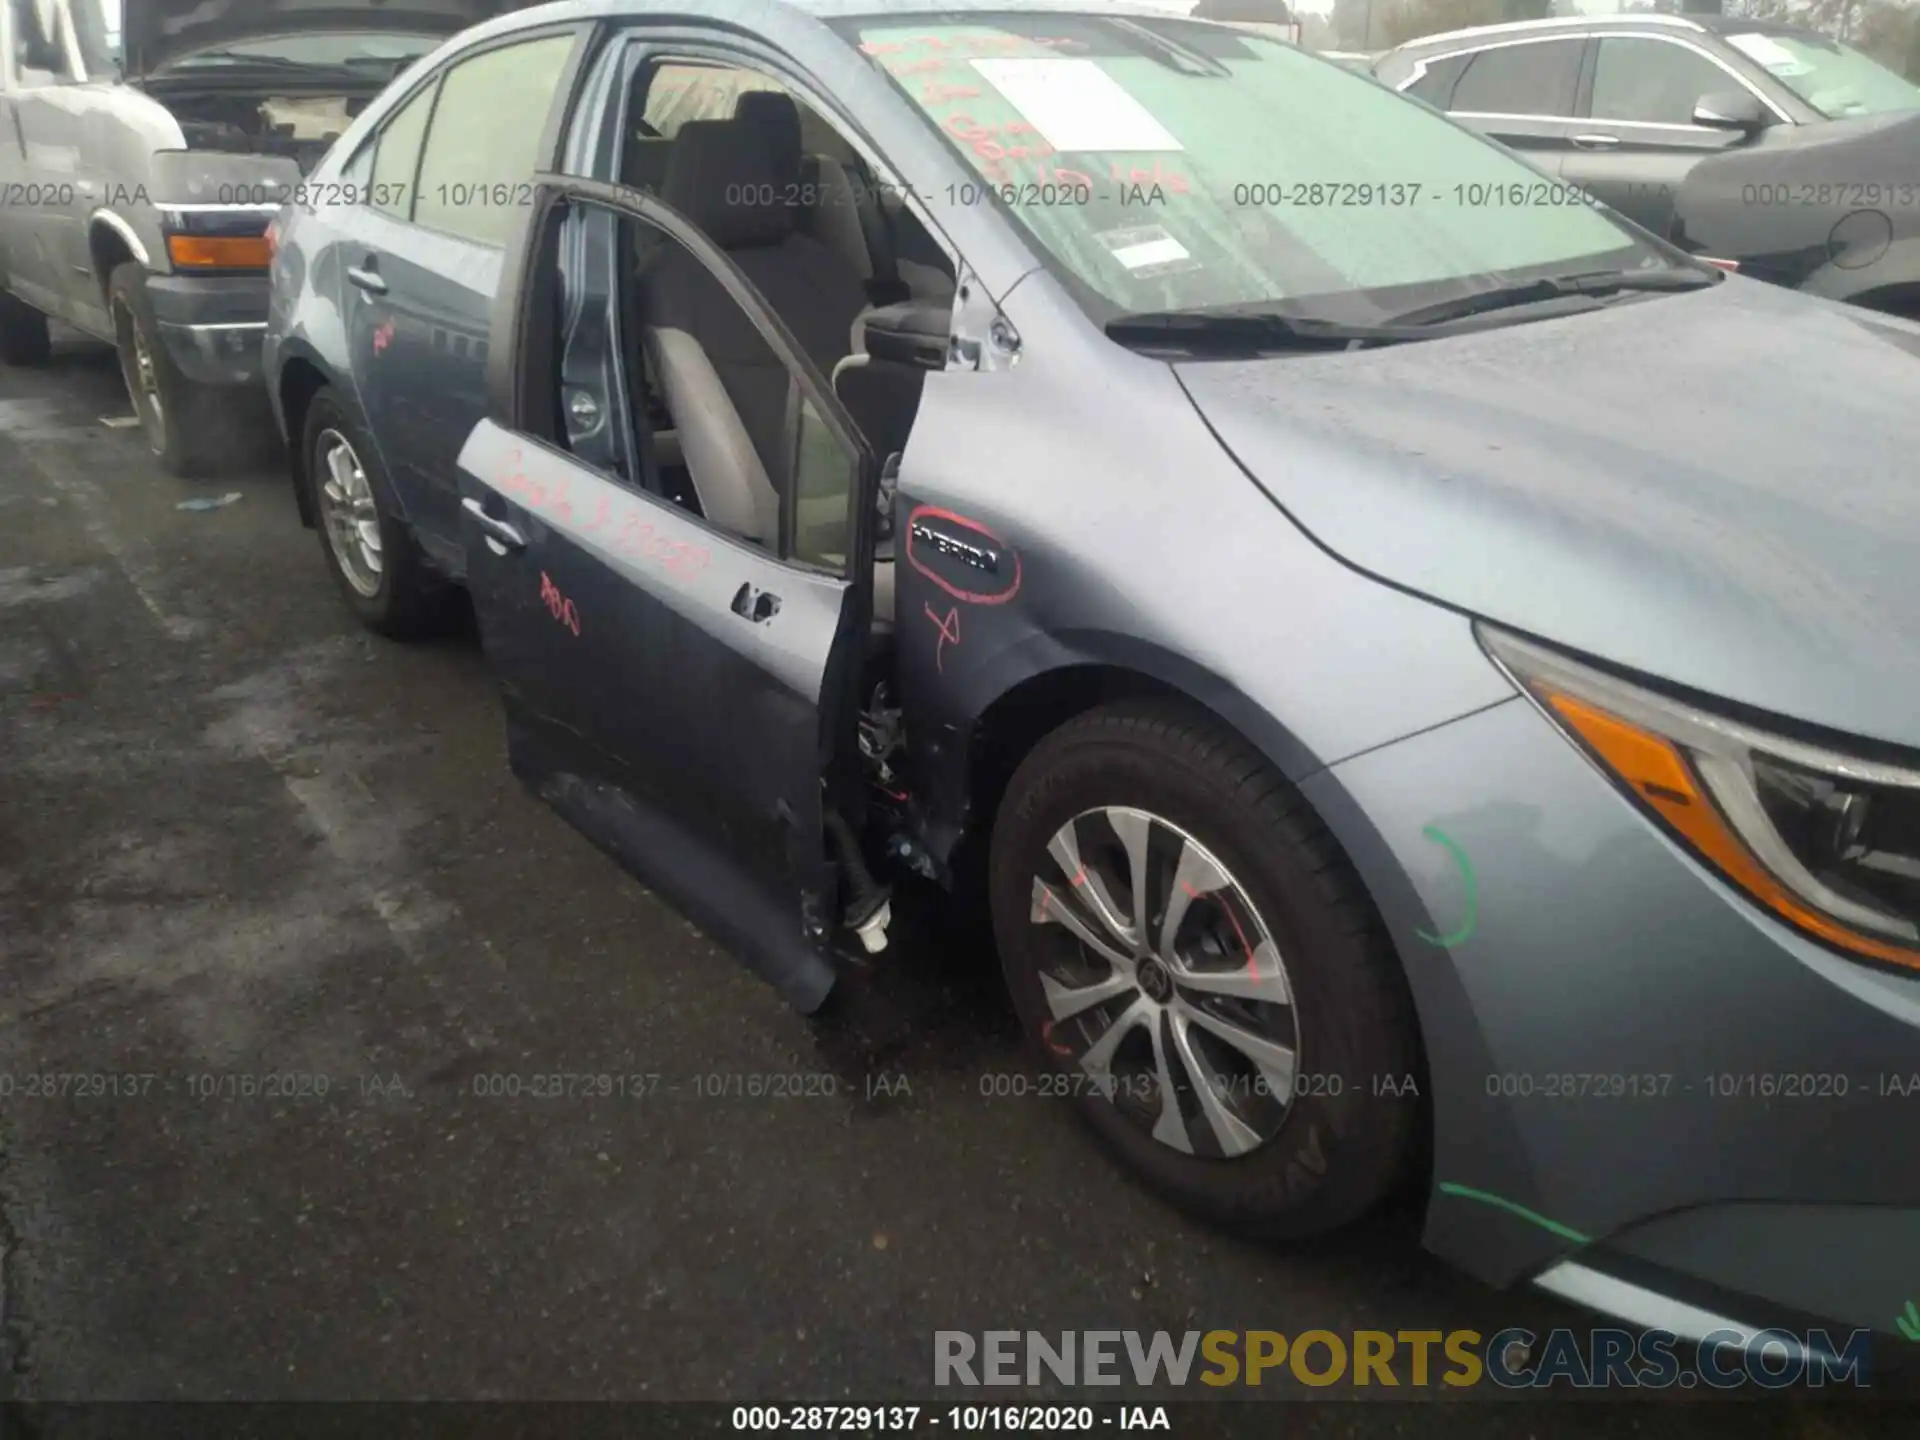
<point>1075,105</point>
<point>1147,250</point>
<point>1769,52</point>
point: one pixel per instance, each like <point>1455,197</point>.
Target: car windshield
<point>1832,78</point>
<point>332,50</point>
<point>1165,164</point>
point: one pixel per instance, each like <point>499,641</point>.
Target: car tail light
<point>1731,266</point>
<point>272,237</point>
<point>220,252</point>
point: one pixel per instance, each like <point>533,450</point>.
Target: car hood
<point>1719,488</point>
<point>154,33</point>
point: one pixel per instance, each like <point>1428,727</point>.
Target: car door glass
<point>476,171</point>
<point>1435,85</point>
<point>1654,82</point>
<point>1532,79</point>
<point>40,54</point>
<point>825,471</point>
<point>645,367</point>
<point>679,93</point>
<point>396,156</point>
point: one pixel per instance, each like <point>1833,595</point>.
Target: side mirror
<point>1739,110</point>
<point>36,52</point>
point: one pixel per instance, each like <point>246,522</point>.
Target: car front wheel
<point>1198,967</point>
<point>182,421</point>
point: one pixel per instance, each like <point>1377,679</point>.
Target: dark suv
<point>1741,139</point>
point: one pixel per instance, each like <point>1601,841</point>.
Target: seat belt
<point>885,287</point>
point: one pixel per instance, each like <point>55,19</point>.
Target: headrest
<point>777,119</point>
<point>722,178</point>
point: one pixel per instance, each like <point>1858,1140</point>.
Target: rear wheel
<point>371,552</point>
<point>1197,964</point>
<point>24,339</point>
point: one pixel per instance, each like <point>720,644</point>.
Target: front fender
<point>1075,510</point>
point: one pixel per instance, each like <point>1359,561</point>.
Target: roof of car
<point>1698,24</point>
<point>848,9</point>
<point>748,12</point>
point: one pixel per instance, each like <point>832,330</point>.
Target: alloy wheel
<point>1163,984</point>
<point>348,510</point>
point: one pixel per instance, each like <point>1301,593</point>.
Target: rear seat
<point>644,166</point>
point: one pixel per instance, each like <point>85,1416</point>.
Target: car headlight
<point>1828,842</point>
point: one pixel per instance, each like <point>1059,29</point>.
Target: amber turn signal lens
<point>1658,773</point>
<point>220,252</point>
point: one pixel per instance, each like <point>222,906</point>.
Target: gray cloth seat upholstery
<point>643,166</point>
<point>845,218</point>
<point>723,384</point>
<point>829,202</point>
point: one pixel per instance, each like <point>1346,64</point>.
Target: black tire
<point>24,339</point>
<point>1341,1144</point>
<point>406,599</point>
<point>183,422</point>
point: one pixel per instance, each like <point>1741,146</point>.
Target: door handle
<point>1596,142</point>
<point>498,531</point>
<point>367,277</point>
<point>758,606</point>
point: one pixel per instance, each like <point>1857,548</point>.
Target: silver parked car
<point>1428,686</point>
<point>141,158</point>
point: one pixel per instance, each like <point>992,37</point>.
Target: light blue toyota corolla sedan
<point>1426,675</point>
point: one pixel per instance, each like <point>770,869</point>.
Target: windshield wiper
<point>1597,283</point>
<point>1252,330</point>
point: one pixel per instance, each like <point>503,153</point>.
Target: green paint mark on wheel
<point>1459,853</point>
<point>1487,1197</point>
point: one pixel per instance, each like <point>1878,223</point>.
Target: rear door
<point>687,698</point>
<point>450,174</point>
<point>1636,140</point>
<point>1519,92</point>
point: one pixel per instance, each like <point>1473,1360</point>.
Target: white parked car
<point>142,156</point>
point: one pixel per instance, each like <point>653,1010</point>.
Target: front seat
<point>725,387</point>
<point>835,211</point>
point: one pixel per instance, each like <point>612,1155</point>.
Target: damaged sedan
<point>144,155</point>
<point>1426,696</point>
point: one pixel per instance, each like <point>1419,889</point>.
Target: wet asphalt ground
<point>246,847</point>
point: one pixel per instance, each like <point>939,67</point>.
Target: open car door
<point>687,697</point>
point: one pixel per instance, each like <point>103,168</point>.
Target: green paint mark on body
<point>1459,853</point>
<point>1487,1197</point>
